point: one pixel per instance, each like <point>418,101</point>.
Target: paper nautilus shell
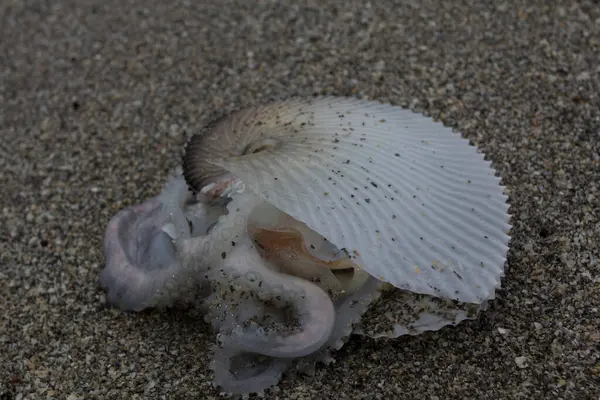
<point>295,224</point>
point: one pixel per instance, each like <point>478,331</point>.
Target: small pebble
<point>521,362</point>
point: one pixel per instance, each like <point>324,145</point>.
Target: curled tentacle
<point>262,334</point>
<point>261,346</point>
<point>349,311</point>
<point>242,373</point>
<point>143,268</point>
<point>315,310</point>
<point>139,257</point>
<point>299,251</point>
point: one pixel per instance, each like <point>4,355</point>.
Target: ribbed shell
<point>411,201</point>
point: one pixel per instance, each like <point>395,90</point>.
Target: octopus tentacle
<point>135,269</point>
<point>242,373</point>
<point>235,311</point>
<point>349,311</point>
<point>315,310</point>
<point>142,269</point>
<point>286,242</point>
<point>240,277</point>
<point>143,265</point>
<point>229,247</point>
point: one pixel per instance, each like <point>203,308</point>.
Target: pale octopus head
<point>253,230</point>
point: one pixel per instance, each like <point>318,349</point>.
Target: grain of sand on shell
<point>97,99</point>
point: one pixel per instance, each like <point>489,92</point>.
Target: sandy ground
<point>97,99</point>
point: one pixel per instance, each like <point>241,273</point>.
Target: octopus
<point>244,230</point>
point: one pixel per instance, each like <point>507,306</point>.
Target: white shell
<point>411,200</point>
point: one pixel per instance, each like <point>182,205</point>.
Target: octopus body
<point>273,298</point>
<point>277,293</point>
